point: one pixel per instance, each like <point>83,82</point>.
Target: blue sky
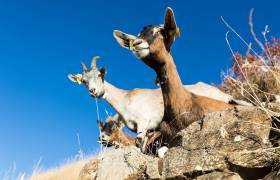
<point>41,111</point>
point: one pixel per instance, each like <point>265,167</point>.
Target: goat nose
<point>92,90</point>
<point>137,42</point>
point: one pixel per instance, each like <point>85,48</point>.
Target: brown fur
<point>121,138</point>
<point>114,132</point>
<point>181,107</point>
<point>118,136</point>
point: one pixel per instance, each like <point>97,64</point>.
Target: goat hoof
<point>138,142</point>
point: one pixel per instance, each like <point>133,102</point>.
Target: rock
<point>89,170</point>
<point>153,168</point>
<point>180,162</point>
<point>219,176</point>
<point>122,163</point>
<point>233,144</point>
<point>226,139</point>
<point>245,122</point>
<point>274,175</point>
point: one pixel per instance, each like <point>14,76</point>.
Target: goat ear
<point>122,124</point>
<point>77,78</point>
<point>170,28</point>
<point>103,73</point>
<point>125,40</point>
<point>109,119</point>
<point>100,124</point>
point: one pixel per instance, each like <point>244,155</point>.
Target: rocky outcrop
<point>89,170</point>
<point>122,163</point>
<point>232,144</point>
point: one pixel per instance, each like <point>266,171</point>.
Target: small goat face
<point>152,41</point>
<point>109,132</point>
<point>92,78</point>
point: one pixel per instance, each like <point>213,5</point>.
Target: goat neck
<point>115,97</point>
<point>171,85</point>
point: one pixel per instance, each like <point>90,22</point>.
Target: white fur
<point>142,53</point>
<point>156,30</point>
<point>141,50</point>
<point>143,108</point>
<point>161,151</point>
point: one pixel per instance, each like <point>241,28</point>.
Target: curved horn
<point>93,62</point>
<point>84,67</point>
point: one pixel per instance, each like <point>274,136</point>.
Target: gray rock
<point>88,172</point>
<point>232,144</point>
<point>116,164</point>
<point>224,140</point>
<point>236,125</point>
<point>153,168</point>
<point>180,162</point>
<point>220,176</point>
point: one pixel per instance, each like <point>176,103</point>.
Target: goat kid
<point>112,134</point>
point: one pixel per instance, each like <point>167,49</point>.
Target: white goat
<point>141,109</point>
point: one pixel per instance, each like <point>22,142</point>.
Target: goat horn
<point>93,62</point>
<point>84,67</point>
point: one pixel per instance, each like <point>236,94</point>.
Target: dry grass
<point>255,78</point>
<point>68,171</point>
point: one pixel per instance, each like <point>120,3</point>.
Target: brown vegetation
<point>255,78</point>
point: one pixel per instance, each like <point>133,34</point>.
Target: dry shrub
<point>253,78</point>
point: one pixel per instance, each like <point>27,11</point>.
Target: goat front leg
<point>153,136</point>
<point>141,139</point>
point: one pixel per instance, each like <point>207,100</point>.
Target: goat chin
<point>161,151</point>
<point>141,53</point>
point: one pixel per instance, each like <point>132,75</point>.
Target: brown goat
<point>181,107</point>
<point>112,133</point>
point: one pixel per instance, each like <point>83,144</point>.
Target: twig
<point>251,24</point>
<point>98,117</point>
<point>241,38</point>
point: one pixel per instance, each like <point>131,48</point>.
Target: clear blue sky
<point>42,41</point>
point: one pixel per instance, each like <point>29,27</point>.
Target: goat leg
<point>153,136</point>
